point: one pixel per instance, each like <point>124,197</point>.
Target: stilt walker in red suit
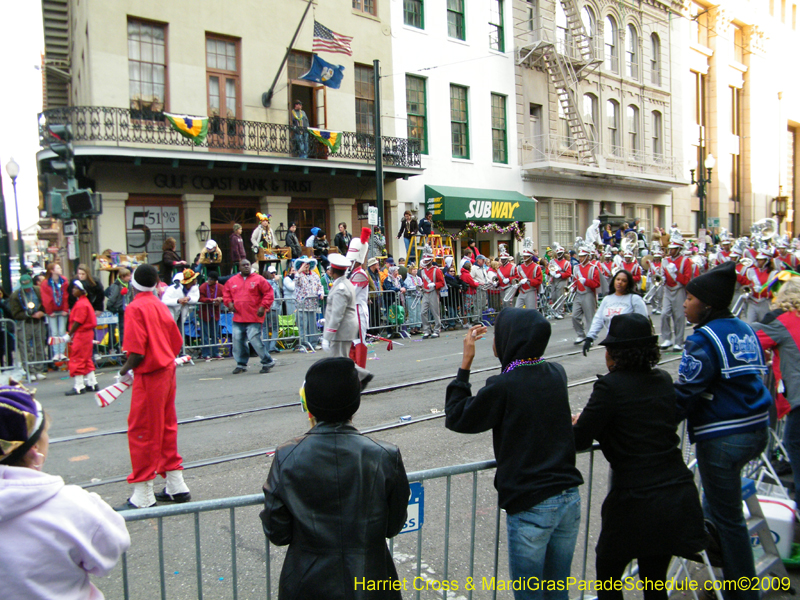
<point>152,341</point>
<point>357,252</point>
<point>82,322</point>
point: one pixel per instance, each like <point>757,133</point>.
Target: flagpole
<point>266,97</point>
<point>376,66</point>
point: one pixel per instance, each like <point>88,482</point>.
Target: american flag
<point>326,40</point>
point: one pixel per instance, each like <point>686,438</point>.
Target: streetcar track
<point>369,392</point>
<point>367,430</point>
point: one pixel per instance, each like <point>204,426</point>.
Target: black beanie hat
<point>333,391</point>
<point>146,275</point>
<point>716,287</point>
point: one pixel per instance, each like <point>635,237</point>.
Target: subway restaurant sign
<point>478,205</point>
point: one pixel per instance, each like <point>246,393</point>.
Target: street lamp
<point>12,168</point>
<point>702,181</point>
<point>781,207</point>
<point>281,233</point>
<point>203,231</point>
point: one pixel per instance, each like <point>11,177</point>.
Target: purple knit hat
<point>21,422</point>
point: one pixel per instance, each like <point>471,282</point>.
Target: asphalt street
<point>228,456</point>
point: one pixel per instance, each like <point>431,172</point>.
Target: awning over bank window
<point>472,204</point>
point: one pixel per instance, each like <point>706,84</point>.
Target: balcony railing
<point>555,148</point>
<point>108,126</point>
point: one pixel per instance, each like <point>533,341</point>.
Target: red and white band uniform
<point>432,281</point>
<point>586,279</point>
<point>677,273</point>
<point>530,278</point>
<point>360,280</point>
<point>505,273</point>
<point>723,256</point>
<point>151,331</point>
<point>785,260</point>
<point>606,267</point>
<point>635,269</point>
<point>757,305</point>
<point>560,281</point>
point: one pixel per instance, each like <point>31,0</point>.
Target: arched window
<point>655,59</point>
<point>632,125</point>
<point>590,115</point>
<point>658,144</point>
<point>610,37</point>
<point>590,25</point>
<point>612,125</point>
<point>632,53</point>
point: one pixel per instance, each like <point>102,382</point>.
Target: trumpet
<point>738,307</point>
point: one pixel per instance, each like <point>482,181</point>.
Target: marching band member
<point>677,273</point>
<point>785,259</point>
<point>586,279</point>
<point>530,277</point>
<point>724,255</point>
<point>632,267</point>
<point>755,277</point>
<point>357,252</point>
<point>655,277</point>
<point>432,281</point>
<point>560,270</point>
<point>505,272</point>
<point>606,267</point>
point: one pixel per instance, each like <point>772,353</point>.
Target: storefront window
<point>148,226</point>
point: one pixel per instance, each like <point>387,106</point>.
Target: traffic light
<point>83,203</point>
<point>61,144</point>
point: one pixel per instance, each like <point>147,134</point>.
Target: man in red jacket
<point>248,296</point>
<point>211,293</point>
<point>432,282</point>
<point>529,275</point>
<point>152,341</point>
<point>471,291</point>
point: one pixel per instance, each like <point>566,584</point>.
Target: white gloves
<point>326,345</point>
<point>523,282</point>
<point>673,270</point>
<point>505,279</point>
<point>67,338</point>
<point>431,286</point>
<point>127,378</point>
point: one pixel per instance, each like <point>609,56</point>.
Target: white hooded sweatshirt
<point>53,537</point>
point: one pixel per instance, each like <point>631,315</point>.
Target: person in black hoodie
<point>527,409</point>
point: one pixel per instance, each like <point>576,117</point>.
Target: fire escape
<point>567,54</point>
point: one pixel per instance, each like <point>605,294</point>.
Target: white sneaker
<point>665,344</point>
<point>559,317</point>
<point>32,377</point>
<point>579,340</point>
<point>677,348</point>
<point>41,376</point>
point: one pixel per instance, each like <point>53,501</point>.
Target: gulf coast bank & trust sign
<point>227,183</point>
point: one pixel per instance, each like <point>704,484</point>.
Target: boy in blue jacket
<point>722,396</point>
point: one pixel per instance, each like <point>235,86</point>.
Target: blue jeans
<point>209,330</point>
<point>791,439</point>
<point>720,461</point>
<point>307,327</point>
<point>58,328</point>
<point>248,332</point>
<point>541,541</point>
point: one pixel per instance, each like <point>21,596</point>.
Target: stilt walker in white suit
<point>357,252</point>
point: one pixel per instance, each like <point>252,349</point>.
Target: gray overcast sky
<point>21,47</point>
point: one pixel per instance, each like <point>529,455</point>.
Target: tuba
<point>766,229</point>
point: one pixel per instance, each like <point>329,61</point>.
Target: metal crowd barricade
<point>455,541</point>
<point>32,346</point>
<point>8,344</point>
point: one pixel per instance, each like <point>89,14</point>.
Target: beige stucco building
<point>740,102</point>
<point>113,67</point>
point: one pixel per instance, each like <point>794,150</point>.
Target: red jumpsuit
<point>151,331</point>
<point>80,349</point>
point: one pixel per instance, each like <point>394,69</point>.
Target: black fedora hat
<point>632,330</point>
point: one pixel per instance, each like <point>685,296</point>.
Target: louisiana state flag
<point>194,128</point>
<point>332,139</point>
<point>325,73</point>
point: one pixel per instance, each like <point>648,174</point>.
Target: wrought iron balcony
<point>109,126</point>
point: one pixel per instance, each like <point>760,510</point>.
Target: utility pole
<point>376,66</point>
<point>5,245</point>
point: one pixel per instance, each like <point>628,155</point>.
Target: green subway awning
<point>478,205</point>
